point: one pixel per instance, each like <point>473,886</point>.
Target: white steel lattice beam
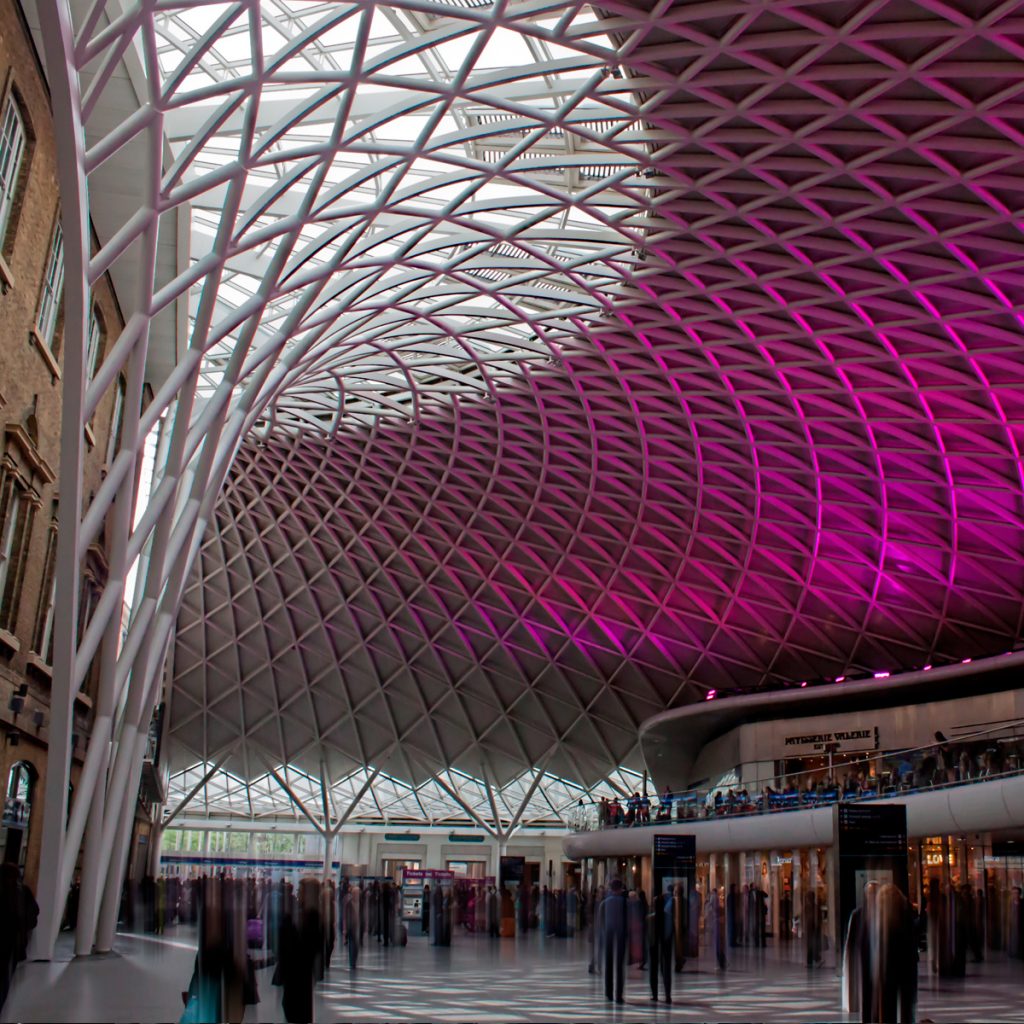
<point>538,368</point>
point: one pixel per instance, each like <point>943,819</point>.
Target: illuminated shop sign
<point>840,740</point>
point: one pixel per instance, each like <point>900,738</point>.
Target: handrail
<point>780,793</point>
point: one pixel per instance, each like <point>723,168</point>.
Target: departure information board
<point>871,830</point>
<point>870,848</point>
<point>674,861</point>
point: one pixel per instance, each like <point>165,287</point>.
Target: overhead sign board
<point>871,830</point>
<point>412,876</point>
<point>870,843</point>
<point>512,869</point>
<point>838,741</point>
<point>674,861</point>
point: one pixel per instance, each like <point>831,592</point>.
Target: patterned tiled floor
<point>489,981</point>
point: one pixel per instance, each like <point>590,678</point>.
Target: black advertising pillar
<point>674,860</point>
<point>870,845</point>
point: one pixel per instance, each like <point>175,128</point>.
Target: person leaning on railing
<point>665,805</point>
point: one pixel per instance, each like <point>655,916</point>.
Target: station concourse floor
<point>480,979</point>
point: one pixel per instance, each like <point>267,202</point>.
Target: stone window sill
<point>9,641</point>
<point>45,354</point>
<point>38,664</point>
<point>6,277</point>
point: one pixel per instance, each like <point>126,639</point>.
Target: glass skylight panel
<point>390,798</point>
<point>380,190</point>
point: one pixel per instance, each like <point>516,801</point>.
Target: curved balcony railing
<point>975,757</point>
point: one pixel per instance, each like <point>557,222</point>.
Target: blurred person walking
<point>613,933</point>
<point>18,915</point>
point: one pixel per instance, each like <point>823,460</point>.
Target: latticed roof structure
<point>369,797</point>
<point>551,365</point>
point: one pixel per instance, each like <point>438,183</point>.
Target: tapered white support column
<point>111,904</point>
<point>91,881</point>
<point>328,854</point>
<point>58,43</point>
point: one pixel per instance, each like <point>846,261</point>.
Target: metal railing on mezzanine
<point>967,758</point>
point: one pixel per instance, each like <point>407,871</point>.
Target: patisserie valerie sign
<point>839,740</point>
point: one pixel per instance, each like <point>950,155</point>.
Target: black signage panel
<point>872,830</point>
<point>870,849</point>
<point>674,861</point>
<point>512,870</point>
<point>674,847</point>
<point>1007,848</point>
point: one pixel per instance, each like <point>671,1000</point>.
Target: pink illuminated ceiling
<point>778,440</point>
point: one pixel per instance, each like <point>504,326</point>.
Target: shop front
<point>970,885</point>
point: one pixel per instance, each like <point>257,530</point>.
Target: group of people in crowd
<point>943,763</point>
<point>494,911</point>
<point>887,933</point>
<point>245,925</point>
<point>661,935</point>
<point>883,940</point>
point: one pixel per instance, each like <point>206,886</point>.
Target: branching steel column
<point>489,829</point>
<point>58,40</point>
<point>207,775</point>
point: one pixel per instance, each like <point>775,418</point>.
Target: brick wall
<point>28,385</point>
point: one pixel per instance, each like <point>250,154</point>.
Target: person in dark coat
<point>895,963</point>
<point>731,923</point>
<point>301,947</point>
<point>447,911</point>
<point>613,927</point>
<point>330,921</point>
<point>786,915</point>
<point>343,890</point>
<point>561,914</point>
<point>352,913</point>
<point>437,910</point>
<point>636,916</point>
<point>373,924</point>
<point>387,912</point>
<point>662,942</point>
<point>714,923</point>
<point>595,899</point>
<point>812,927</point>
<point>854,972</point>
<point>976,924</point>
<point>216,991</point>
<point>425,910</point>
<point>493,914</point>
<point>692,914</point>
<point>760,917</point>
<point>71,909</point>
<point>18,916</point>
<point>295,972</point>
